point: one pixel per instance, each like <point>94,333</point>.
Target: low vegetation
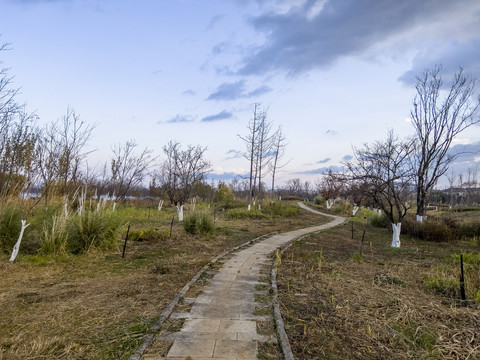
<point>94,304</point>
<point>368,300</point>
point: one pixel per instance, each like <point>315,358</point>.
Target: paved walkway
<point>221,324</point>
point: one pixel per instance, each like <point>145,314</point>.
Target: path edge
<point>279,324</point>
<point>142,348</point>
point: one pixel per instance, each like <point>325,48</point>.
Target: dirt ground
<point>342,300</point>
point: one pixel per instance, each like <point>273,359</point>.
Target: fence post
<point>125,245</point>
<point>462,280</point>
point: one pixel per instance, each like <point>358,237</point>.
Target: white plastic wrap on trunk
<point>355,209</point>
<point>17,245</point>
<point>396,235</point>
<point>330,203</point>
<point>194,203</point>
<point>421,218</point>
<point>115,204</point>
<point>249,207</point>
<point>160,204</point>
<point>180,213</point>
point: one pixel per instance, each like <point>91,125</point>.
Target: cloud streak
<point>236,90</point>
<point>223,115</point>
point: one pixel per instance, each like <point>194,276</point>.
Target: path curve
<point>221,323</point>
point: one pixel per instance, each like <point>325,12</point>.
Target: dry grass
<point>100,306</point>
<point>373,306</point>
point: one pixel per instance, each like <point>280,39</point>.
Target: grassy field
<point>344,300</point>
<point>99,305</point>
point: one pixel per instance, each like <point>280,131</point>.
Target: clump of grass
<point>357,257</point>
<point>93,230</point>
<point>10,226</point>
<point>54,236</point>
<point>198,224</point>
<point>277,209</point>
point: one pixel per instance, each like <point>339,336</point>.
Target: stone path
<point>221,324</point>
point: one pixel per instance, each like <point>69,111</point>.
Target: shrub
<point>198,223</point>
<point>431,230</point>
<point>10,227</point>
<point>223,194</point>
<point>379,221</point>
<point>320,200</point>
<point>93,230</point>
<point>341,207</point>
<point>206,224</point>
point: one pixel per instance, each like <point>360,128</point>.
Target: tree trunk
<point>396,235</point>
<point>17,245</point>
<point>180,213</point>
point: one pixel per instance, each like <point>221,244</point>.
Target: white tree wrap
<point>17,245</point>
<point>396,235</point>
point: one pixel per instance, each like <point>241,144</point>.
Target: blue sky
<point>333,74</point>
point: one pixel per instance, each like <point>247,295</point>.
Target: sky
<point>334,74</point>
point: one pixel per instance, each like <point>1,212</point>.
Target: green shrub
<point>93,230</point>
<point>320,200</point>
<point>197,223</point>
<point>10,227</point>
<point>379,221</point>
<point>206,224</point>
<point>223,194</point>
<point>341,207</point>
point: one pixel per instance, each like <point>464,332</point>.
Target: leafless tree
<point>264,146</point>
<point>17,137</point>
<point>17,153</point>
<point>438,116</point>
<point>61,152</point>
<point>382,170</point>
<point>251,143</point>
<point>128,168</point>
<point>278,153</point>
<point>260,143</point>
<point>179,172</point>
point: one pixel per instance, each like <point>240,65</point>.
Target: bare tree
<point>17,154</point>
<point>278,154</point>
<point>383,172</point>
<point>128,168</point>
<point>180,171</point>
<point>251,143</point>
<point>264,146</point>
<point>61,152</point>
<point>17,138</point>
<point>438,116</point>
